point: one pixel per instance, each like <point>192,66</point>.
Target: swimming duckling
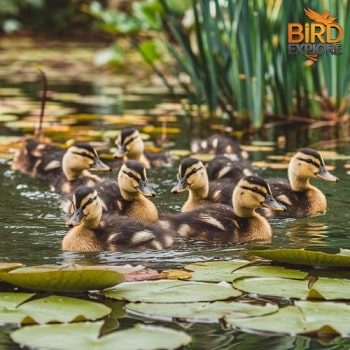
<point>76,162</point>
<point>298,195</point>
<point>222,223</point>
<point>129,196</point>
<point>192,176</point>
<point>224,166</point>
<point>219,144</point>
<point>38,159</point>
<point>131,146</point>
<point>93,231</point>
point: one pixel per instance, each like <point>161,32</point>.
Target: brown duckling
<point>38,159</point>
<point>192,176</point>
<point>76,162</point>
<point>92,231</point>
<point>298,195</point>
<point>131,146</point>
<point>228,224</point>
<point>219,144</point>
<point>129,196</point>
<point>224,166</point>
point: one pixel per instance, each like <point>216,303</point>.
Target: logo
<point>320,37</point>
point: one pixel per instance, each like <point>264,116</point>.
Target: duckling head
<point>253,192</point>
<point>130,144</point>
<point>132,178</point>
<point>80,157</point>
<point>307,164</point>
<point>191,175</point>
<point>87,206</point>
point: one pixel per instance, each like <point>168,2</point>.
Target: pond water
<point>32,225</point>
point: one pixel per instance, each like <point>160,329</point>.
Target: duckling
<point>192,176</point>
<point>75,164</point>
<point>129,196</point>
<point>224,166</point>
<point>219,144</point>
<point>228,224</point>
<point>131,146</point>
<point>38,159</point>
<point>92,231</point>
<point>298,195</point>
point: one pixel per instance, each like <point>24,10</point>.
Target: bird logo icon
<point>319,17</point>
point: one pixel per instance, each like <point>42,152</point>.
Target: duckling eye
<point>254,189</point>
<point>309,161</point>
<point>89,201</point>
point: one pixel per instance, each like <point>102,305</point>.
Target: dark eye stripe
<point>89,202</point>
<point>130,174</point>
<point>193,172</point>
<point>310,161</point>
<point>255,190</point>
<point>129,141</point>
<point>83,154</point>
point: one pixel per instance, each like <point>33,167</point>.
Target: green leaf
<point>86,336</point>
<point>330,317</point>
<point>216,271</point>
<point>169,291</point>
<point>202,312</point>
<point>73,278</point>
<point>18,308</point>
<point>288,320</point>
<point>44,310</point>
<point>323,288</point>
<point>303,257</point>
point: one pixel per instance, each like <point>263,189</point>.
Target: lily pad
<point>171,291</point>
<point>15,308</point>
<point>323,288</point>
<point>304,257</point>
<point>86,336</point>
<point>216,271</point>
<point>331,317</point>
<point>287,321</point>
<point>202,312</point>
<point>72,278</point>
<point>303,318</point>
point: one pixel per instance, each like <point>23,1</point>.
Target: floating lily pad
<point>331,317</point>
<point>216,271</point>
<point>305,257</point>
<point>15,308</point>
<point>202,312</point>
<point>323,288</point>
<point>86,336</point>
<point>303,318</point>
<point>287,321</point>
<point>171,291</point>
<point>8,304</point>
<point>73,278</point>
